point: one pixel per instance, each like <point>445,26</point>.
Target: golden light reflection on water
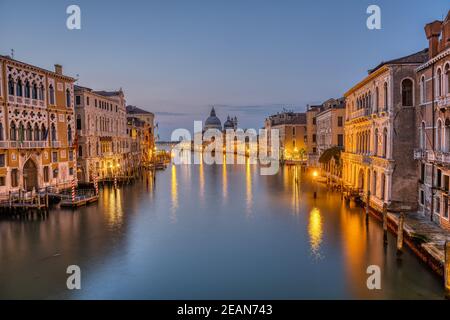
<point>225,181</point>
<point>315,230</point>
<point>201,178</point>
<point>296,190</point>
<point>112,201</point>
<point>248,183</point>
<point>174,194</point>
<point>354,248</point>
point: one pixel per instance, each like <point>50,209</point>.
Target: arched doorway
<point>30,176</point>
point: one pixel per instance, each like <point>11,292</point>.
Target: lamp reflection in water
<point>296,190</point>
<point>224,178</point>
<point>315,230</point>
<point>112,202</point>
<point>248,183</point>
<point>174,194</point>
<point>201,178</point>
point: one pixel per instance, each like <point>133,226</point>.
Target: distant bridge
<point>170,144</point>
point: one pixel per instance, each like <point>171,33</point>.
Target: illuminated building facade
<point>293,133</point>
<point>36,127</point>
<point>102,143</point>
<point>433,124</point>
<point>380,121</point>
<point>145,128</point>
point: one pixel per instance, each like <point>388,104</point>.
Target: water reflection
<point>315,231</point>
<point>224,180</point>
<point>248,189</point>
<point>174,194</point>
<point>296,190</point>
<point>126,250</point>
<point>201,178</point>
<point>112,202</point>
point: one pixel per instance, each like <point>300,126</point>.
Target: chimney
<point>58,69</point>
<point>446,32</point>
<point>432,31</point>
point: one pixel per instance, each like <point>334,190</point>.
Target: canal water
<point>209,232</point>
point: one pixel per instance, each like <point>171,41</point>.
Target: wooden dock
<point>78,201</point>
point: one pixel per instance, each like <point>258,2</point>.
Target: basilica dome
<point>213,122</point>
<point>228,124</point>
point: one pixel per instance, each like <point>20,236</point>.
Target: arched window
<point>27,89</point>
<point>13,131</point>
<point>69,134</point>
<point>68,102</point>
<point>10,85</point>
<point>439,135</point>
<point>29,133</point>
<point>383,186</point>
<point>19,88</point>
<point>53,132</point>
<point>41,92</point>
<point>21,132</point>
<point>447,77</point>
<point>377,99</point>
<point>385,142</point>
<point>422,138</point>
<point>422,90</point>
<point>374,183</point>
<point>36,132</point>
<point>407,93</point>
<point>375,142</point>
<point>51,93</point>
<point>34,91</point>
<point>43,132</point>
<point>439,82</point>
<point>385,96</point>
<point>447,135</point>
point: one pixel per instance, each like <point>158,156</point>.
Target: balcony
<point>419,154</point>
<point>443,102</point>
<point>441,157</point>
<point>55,144</point>
<point>360,113</point>
<point>23,144</point>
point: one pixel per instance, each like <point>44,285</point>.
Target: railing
<point>419,154</point>
<point>55,144</point>
<point>23,144</point>
<point>364,112</point>
<point>442,156</point>
<point>443,102</point>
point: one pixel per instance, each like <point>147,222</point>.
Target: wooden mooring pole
<point>385,226</point>
<point>367,206</point>
<point>401,220</point>
<point>447,269</point>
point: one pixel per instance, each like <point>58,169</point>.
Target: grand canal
<point>207,232</point>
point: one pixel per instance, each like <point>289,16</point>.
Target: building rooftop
<point>136,110</point>
<point>415,58</point>
<point>287,117</point>
<point>109,93</point>
<point>54,73</point>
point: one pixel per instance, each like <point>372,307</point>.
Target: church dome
<point>213,122</point>
<point>228,124</point>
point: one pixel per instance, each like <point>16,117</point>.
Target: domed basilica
<point>213,122</point>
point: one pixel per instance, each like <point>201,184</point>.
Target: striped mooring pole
<point>73,190</point>
<point>96,184</point>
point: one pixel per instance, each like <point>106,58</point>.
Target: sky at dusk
<point>249,58</point>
